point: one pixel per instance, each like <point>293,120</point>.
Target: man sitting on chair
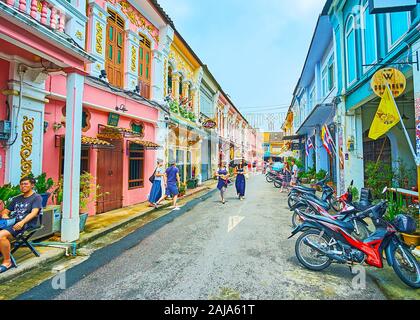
<point>25,209</point>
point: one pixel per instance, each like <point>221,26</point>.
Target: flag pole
<point>404,128</point>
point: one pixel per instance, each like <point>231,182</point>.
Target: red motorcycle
<point>325,240</point>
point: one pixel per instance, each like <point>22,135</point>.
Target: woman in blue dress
<point>156,191</point>
<point>240,180</point>
<point>223,175</point>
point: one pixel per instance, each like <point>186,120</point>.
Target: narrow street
<point>234,251</point>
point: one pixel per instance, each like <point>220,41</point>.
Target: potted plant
<point>7,192</point>
<point>192,183</point>
<point>42,186</point>
<point>182,189</point>
<point>89,192</point>
<point>412,239</point>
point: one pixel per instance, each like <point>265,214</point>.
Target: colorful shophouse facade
<point>366,43</point>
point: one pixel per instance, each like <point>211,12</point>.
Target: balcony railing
<point>44,11</point>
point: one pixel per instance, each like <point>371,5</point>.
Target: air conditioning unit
<point>51,221</point>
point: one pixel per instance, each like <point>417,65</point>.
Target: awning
<point>111,132</point>
<point>320,115</point>
<point>95,142</point>
<point>148,145</point>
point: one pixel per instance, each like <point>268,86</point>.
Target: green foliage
<point>7,192</point>
<point>298,162</point>
<point>402,175</point>
<point>355,193</point>
<point>174,106</point>
<point>89,191</point>
<point>378,176</point>
<point>182,188</point>
<point>42,184</point>
<point>321,174</point>
<point>395,206</point>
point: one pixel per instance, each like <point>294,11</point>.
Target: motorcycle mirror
<point>385,190</point>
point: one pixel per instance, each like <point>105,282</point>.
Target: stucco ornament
<point>79,35</point>
<point>26,147</point>
<point>99,37</point>
<point>133,58</point>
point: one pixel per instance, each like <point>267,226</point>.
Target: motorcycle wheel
<point>268,178</point>
<point>407,271</point>
<point>291,201</point>
<point>296,220</point>
<point>311,258</point>
<point>277,184</point>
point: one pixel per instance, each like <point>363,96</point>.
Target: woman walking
<point>223,175</point>
<point>287,176</point>
<point>156,191</point>
<point>240,180</point>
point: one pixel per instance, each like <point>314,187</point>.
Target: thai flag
<point>327,140</point>
<point>309,146</point>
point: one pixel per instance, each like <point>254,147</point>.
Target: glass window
<point>351,51</point>
<point>135,166</point>
<point>331,74</point>
<point>369,36</point>
<point>398,25</point>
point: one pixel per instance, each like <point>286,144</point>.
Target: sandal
<point>3,268</point>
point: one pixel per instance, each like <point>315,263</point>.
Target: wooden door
<point>115,49</point>
<point>109,177</point>
<point>145,63</point>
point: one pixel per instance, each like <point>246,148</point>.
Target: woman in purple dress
<point>223,175</point>
<point>240,180</point>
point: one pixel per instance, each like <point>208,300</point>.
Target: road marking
<point>234,221</point>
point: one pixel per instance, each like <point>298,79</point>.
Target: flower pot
<point>45,197</point>
<point>82,221</point>
<point>412,239</point>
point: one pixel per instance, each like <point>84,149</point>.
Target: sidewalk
<point>96,227</point>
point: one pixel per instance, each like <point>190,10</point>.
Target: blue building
<point>350,44</point>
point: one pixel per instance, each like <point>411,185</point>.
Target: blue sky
<point>255,49</point>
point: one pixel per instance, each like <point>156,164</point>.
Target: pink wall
<point>97,96</point>
<point>4,76</point>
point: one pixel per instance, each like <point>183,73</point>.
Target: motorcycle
<point>325,240</point>
<point>327,200</point>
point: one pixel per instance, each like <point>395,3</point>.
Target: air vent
<point>113,16</point>
<point>145,41</point>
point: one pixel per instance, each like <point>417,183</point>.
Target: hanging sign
<point>113,119</point>
<point>389,76</point>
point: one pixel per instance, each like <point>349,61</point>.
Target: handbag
<point>152,177</point>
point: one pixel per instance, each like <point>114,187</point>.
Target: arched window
<point>351,54</point>
<point>114,63</point>
<point>170,82</point>
<point>145,66</point>
<point>369,40</point>
<point>398,24</point>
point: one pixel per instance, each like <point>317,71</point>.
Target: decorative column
<point>186,89</point>
<point>97,31</point>
<point>175,85</point>
<point>132,60</point>
<point>71,181</point>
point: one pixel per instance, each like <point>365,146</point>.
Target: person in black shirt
<point>24,209</point>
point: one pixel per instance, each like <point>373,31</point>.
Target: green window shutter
<point>119,57</point>
<point>111,33</point>
<point>110,52</point>
<point>119,39</point>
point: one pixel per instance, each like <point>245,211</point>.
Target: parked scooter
<point>327,200</point>
<point>326,240</point>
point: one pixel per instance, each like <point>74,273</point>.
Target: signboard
<point>113,119</point>
<point>209,124</point>
<point>296,146</point>
<point>384,6</point>
<point>389,76</point>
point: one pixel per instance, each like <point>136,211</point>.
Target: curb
<point>100,233</point>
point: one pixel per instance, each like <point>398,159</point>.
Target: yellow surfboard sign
<point>389,76</point>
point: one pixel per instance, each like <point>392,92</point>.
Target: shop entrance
<point>109,177</point>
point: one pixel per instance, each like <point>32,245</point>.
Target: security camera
<point>166,117</point>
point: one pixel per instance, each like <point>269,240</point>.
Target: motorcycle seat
<point>362,206</point>
<point>304,189</point>
<point>348,226</point>
<point>377,235</point>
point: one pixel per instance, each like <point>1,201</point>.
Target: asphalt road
<point>238,250</point>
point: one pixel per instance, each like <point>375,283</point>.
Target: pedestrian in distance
<point>240,182</point>
<point>223,180</point>
<point>286,177</point>
<point>172,181</point>
<point>157,185</point>
<point>295,171</point>
<point>23,213</point>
